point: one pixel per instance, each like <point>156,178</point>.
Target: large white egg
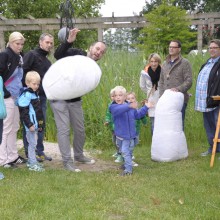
<point>71,77</point>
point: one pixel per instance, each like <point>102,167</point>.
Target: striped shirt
<point>202,86</point>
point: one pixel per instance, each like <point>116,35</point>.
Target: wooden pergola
<point>99,23</point>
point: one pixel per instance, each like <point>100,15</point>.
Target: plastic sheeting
<point>169,141</point>
<point>71,77</point>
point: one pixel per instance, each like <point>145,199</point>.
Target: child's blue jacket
<point>124,119</point>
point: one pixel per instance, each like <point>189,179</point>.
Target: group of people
<point>22,76</point>
<point>174,74</point>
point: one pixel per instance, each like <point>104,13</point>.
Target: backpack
<point>3,112</point>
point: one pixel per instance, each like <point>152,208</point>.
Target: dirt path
<point>52,150</point>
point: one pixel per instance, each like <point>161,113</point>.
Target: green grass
<point>187,189</point>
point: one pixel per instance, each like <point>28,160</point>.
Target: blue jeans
<point>32,140</point>
<point>127,147</point>
<point>210,122</point>
<point>40,144</point>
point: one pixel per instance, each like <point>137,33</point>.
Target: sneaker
<point>45,157</point>
<point>1,176</point>
<point>124,173</point>
<point>84,160</point>
<point>119,159</point>
<point>39,159</point>
<point>36,167</point>
<point>19,160</point>
<point>10,165</point>
<point>70,167</point>
<point>204,154</point>
<point>115,155</point>
<point>134,164</point>
<point>39,164</point>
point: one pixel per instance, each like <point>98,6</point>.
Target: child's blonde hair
<point>131,93</point>
<point>119,89</point>
<point>32,75</point>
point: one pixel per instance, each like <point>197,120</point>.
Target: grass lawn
<point>187,189</point>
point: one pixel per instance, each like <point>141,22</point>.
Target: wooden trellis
<point>99,23</point>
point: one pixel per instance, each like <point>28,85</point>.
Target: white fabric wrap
<point>71,77</point>
<point>169,141</point>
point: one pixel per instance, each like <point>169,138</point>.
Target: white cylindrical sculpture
<point>169,141</point>
<point>71,77</point>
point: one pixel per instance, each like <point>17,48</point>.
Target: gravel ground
<point>52,150</point>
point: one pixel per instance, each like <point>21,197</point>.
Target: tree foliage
<point>167,22</point>
<point>18,9</point>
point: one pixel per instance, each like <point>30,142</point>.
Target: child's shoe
<point>115,155</point>
<point>134,164</point>
<point>36,167</point>
<point>119,159</point>
<point>124,173</point>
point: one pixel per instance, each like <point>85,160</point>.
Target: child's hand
<point>149,104</point>
<point>133,105</point>
<point>106,123</point>
<point>32,128</point>
<point>143,102</point>
<point>40,129</point>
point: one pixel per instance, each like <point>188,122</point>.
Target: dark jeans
<point>40,144</point>
<point>183,113</point>
<point>210,122</point>
<point>1,130</point>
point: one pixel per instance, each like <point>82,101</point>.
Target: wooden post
<point>199,38</point>
<point>100,34</point>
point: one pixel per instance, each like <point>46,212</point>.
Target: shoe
<point>19,160</point>
<point>1,176</point>
<point>204,154</point>
<point>39,164</point>
<point>10,165</point>
<point>119,159</point>
<point>36,167</point>
<point>39,159</point>
<point>115,155</point>
<point>133,157</point>
<point>134,164</point>
<point>45,157</point>
<point>70,167</point>
<point>124,173</point>
<point>84,160</point>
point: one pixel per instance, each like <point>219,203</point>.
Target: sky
<point>122,7</point>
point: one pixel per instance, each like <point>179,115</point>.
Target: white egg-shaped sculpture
<point>71,77</point>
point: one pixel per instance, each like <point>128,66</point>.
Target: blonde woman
<point>12,73</point>
<point>149,79</point>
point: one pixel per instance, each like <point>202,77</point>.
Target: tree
<point>48,9</point>
<point>167,22</point>
<point>120,39</point>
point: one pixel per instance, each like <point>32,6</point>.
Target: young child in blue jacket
<point>31,116</point>
<point>124,117</point>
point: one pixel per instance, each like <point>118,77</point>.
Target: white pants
<point>8,147</point>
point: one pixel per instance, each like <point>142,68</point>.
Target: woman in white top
<point>149,79</point>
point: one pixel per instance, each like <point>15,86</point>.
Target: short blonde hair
<point>111,92</point>
<point>155,56</point>
<point>119,89</point>
<point>15,36</point>
<point>131,93</point>
<point>32,75</point>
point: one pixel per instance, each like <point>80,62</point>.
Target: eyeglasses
<point>173,47</point>
<point>213,48</point>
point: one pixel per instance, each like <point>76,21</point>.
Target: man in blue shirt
<point>210,113</point>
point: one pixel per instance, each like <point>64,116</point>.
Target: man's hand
<point>32,128</point>
<point>72,35</point>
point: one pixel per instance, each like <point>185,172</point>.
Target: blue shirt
<point>202,86</point>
